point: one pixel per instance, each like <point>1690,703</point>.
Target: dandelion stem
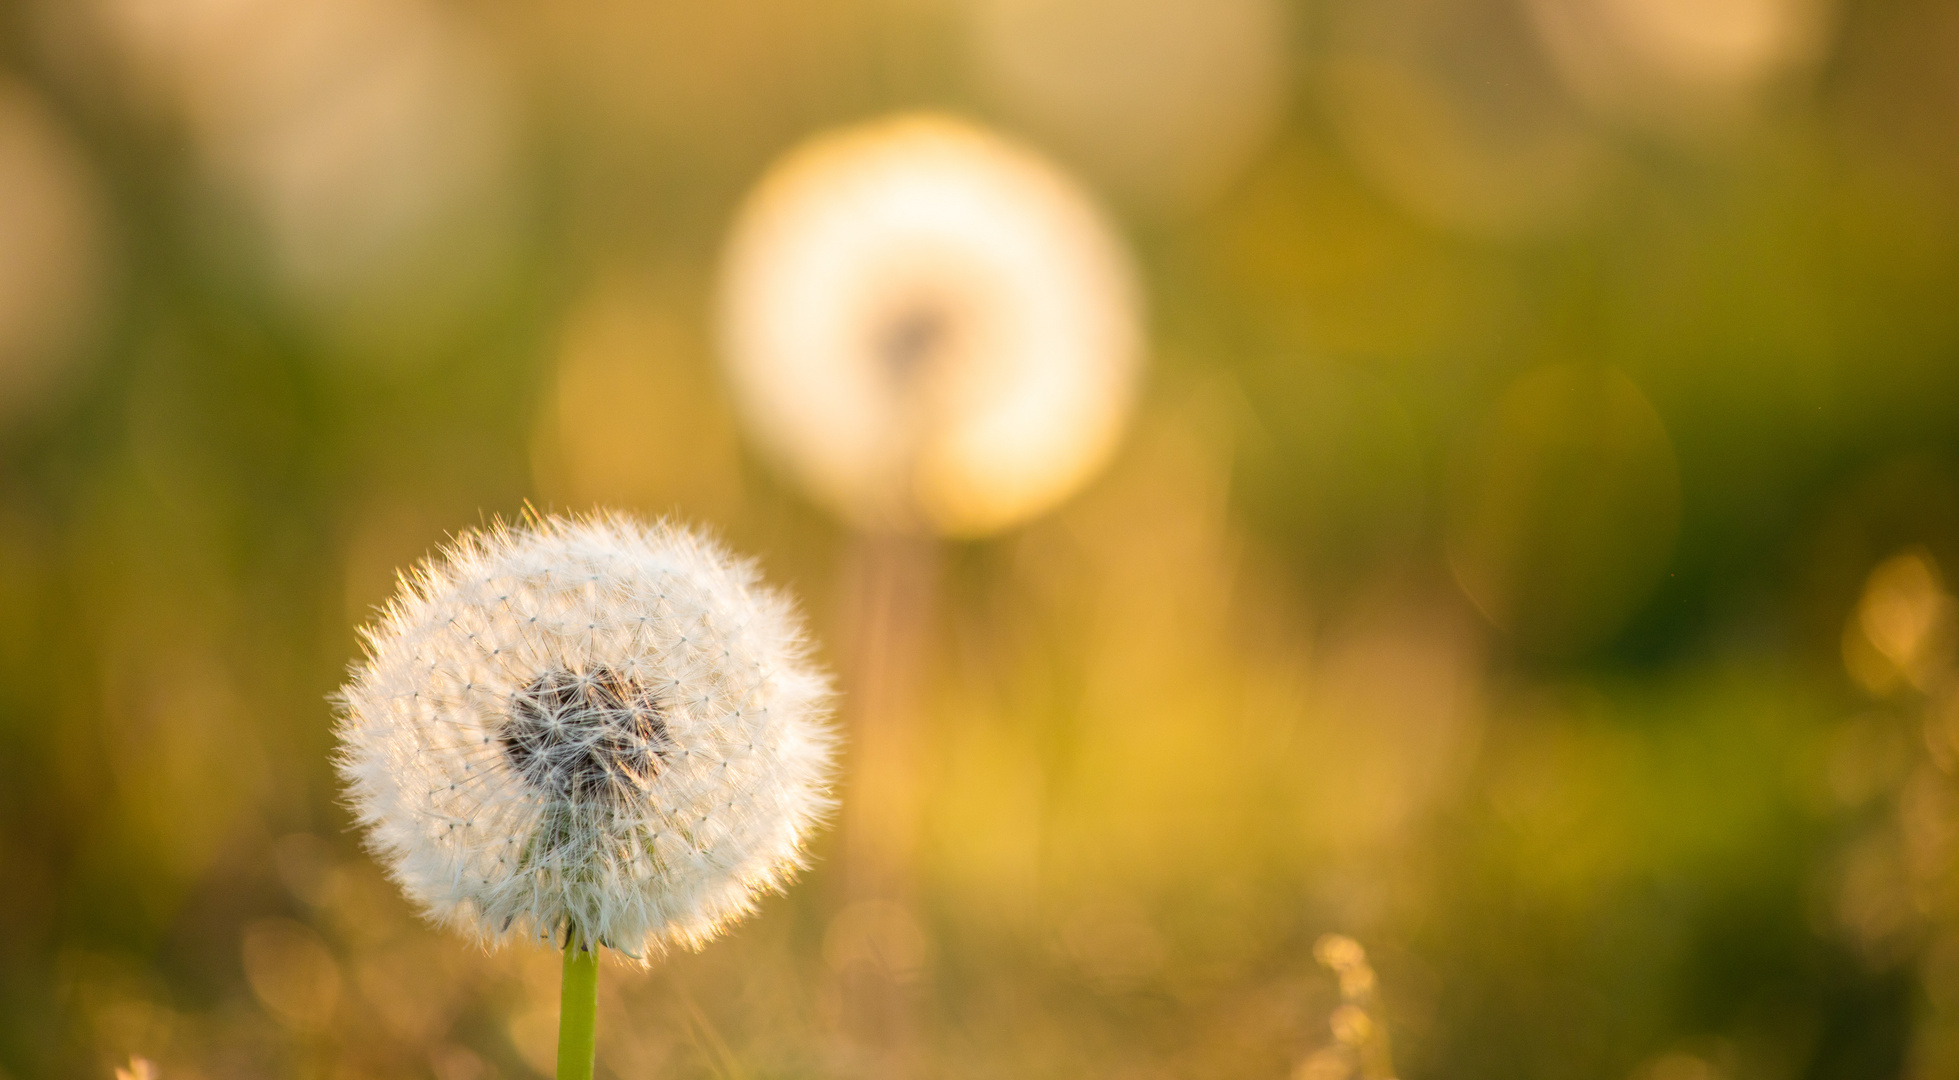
<point>578,1010</point>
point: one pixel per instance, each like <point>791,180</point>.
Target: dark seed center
<point>591,737</point>
<point>909,342</point>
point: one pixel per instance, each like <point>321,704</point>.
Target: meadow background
<point>1528,556</point>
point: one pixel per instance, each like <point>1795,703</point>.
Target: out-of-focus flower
<point>927,324</point>
<point>1166,101</point>
<point>366,142</point>
<point>1679,64</point>
<point>50,249</point>
<point>588,724</point>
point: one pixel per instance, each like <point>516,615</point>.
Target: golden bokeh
<point>53,251</point>
<point>609,434</point>
<point>1164,101</point>
<point>1428,524</point>
<point>1682,65</point>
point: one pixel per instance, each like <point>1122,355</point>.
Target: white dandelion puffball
<point>590,725</point>
<point>927,324</point>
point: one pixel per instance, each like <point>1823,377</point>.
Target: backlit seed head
<point>927,325</point>
<point>590,725</point>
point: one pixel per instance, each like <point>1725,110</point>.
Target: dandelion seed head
<point>588,723</point>
<point>928,325</point>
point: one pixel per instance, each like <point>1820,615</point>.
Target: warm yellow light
<point>1683,64</point>
<point>50,250</point>
<point>1904,624</point>
<point>633,419</point>
<point>927,324</point>
<point>1165,100</point>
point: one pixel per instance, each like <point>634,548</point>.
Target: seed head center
<point>592,737</point>
<point>913,340</point>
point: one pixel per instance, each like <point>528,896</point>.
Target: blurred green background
<point>1528,555</point>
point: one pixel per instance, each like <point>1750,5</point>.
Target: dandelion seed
<point>618,783</point>
<point>928,325</point>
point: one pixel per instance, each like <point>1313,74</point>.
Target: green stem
<point>578,1011</point>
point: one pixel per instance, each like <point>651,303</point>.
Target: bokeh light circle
<point>928,325</point>
<point>1683,65</point>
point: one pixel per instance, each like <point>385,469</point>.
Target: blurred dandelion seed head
<point>928,325</point>
<point>587,722</point>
